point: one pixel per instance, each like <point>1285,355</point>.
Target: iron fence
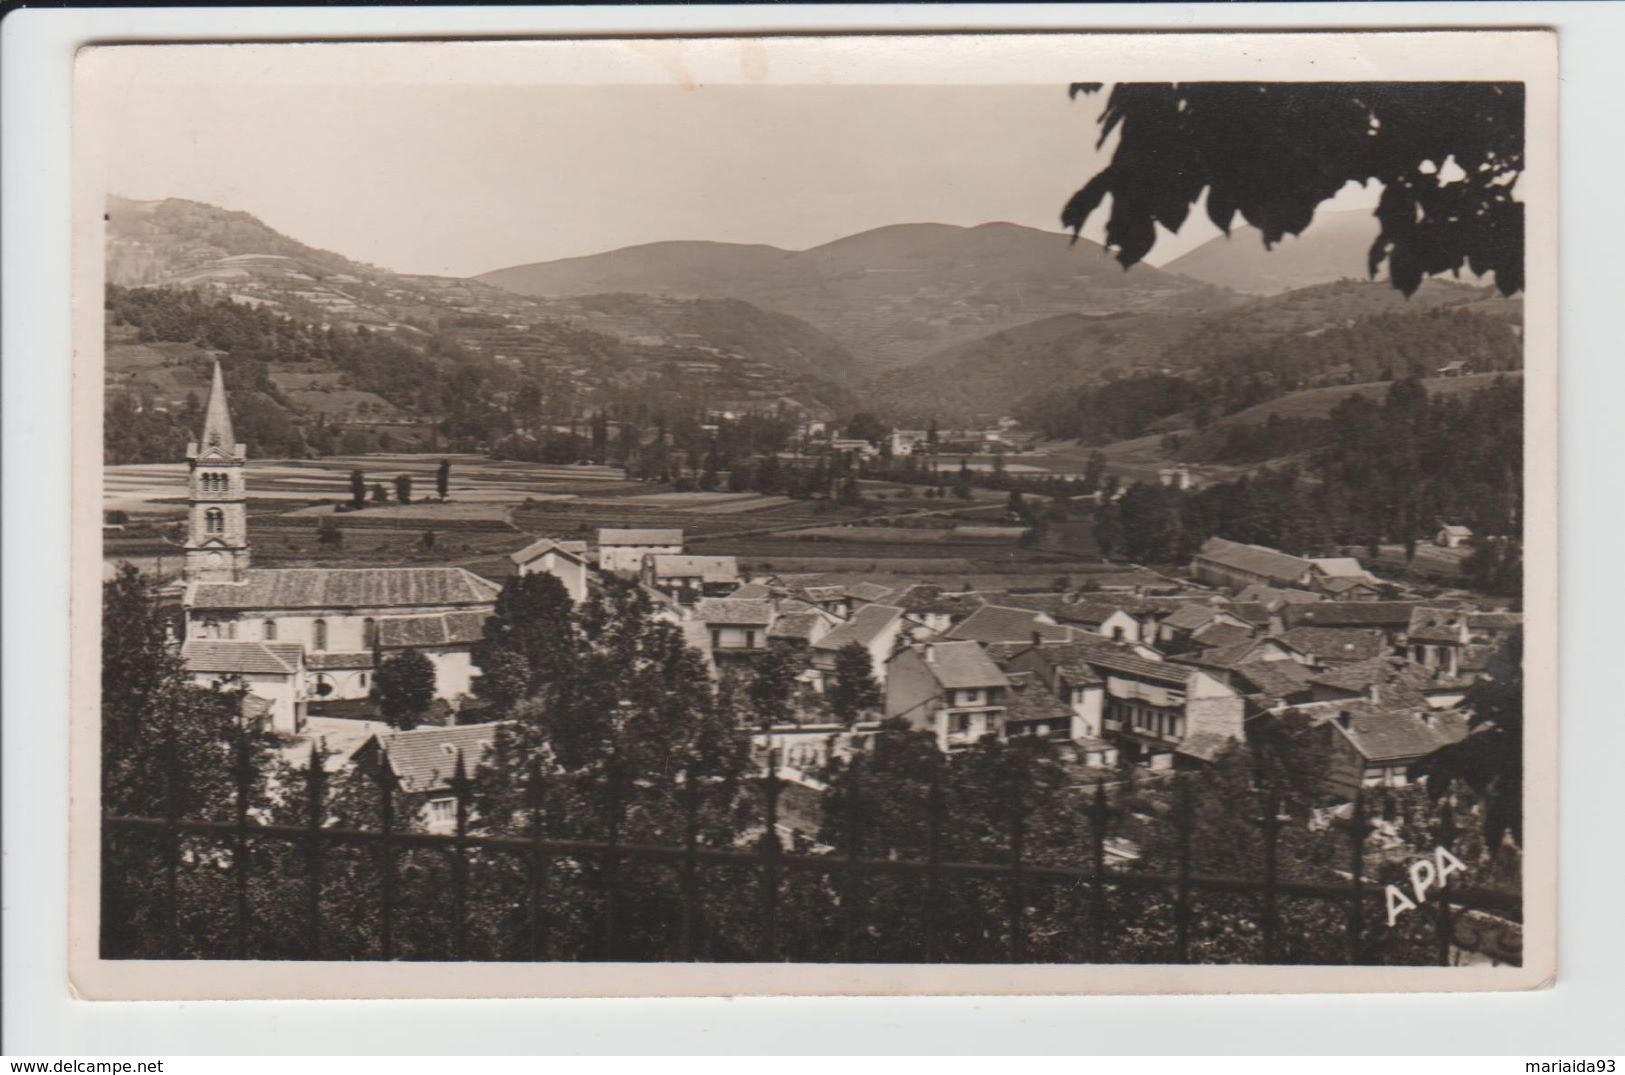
<point>1458,917</point>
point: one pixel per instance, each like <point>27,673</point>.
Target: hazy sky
<point>459,178</point>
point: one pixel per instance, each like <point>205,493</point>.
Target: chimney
<point>1344,718</point>
<point>1374,692</point>
<point>930,653</point>
<point>1038,639</point>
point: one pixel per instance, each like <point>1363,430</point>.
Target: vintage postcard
<point>1037,514</point>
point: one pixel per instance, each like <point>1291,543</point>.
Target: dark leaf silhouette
<point>1274,151</point>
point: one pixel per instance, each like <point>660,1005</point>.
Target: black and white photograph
<point>815,515</point>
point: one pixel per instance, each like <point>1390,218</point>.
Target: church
<point>293,635</point>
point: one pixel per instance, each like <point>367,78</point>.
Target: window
<point>361,680</point>
<point>958,723</point>
<point>369,633</point>
<point>442,811</point>
<point>214,521</point>
<point>269,630</point>
<point>971,697</point>
<point>320,628</point>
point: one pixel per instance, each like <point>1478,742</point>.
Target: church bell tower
<point>217,523</point>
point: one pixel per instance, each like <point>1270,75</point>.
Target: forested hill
<point>1387,468</point>
<point>1343,333</point>
<point>322,343</point>
<point>301,387</point>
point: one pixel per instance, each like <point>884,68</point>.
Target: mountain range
<point>913,321</point>
<point>891,296</point>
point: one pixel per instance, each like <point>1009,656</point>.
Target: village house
<point>1106,620</point>
<point>621,551</point>
<point>1153,709</point>
<point>1373,746</point>
<point>687,579</point>
<point>1454,369</point>
<point>424,762</point>
<point>564,560</point>
<point>738,627</point>
<point>1032,709</point>
<point>272,673</point>
<point>1067,675</point>
<point>951,689</point>
<point>1222,662</point>
<point>1457,642</point>
<point>1178,629</point>
<point>875,628</point>
<point>1452,537</point>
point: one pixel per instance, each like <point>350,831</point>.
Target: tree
<point>358,490</point>
<point>529,639</point>
<point>403,488</point>
<point>426,541</point>
<point>403,689</point>
<point>1275,151</point>
<point>962,487</point>
<point>853,691</point>
<point>865,426</point>
<point>328,535</point>
<point>1490,759</point>
<point>442,478</point>
<point>380,495</point>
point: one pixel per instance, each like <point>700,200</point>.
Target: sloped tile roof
<point>425,759</point>
<point>1335,586</point>
<point>1114,658</point>
<point>1256,613</point>
<point>1398,682</point>
<point>1271,563</point>
<point>868,591</point>
<point>1219,635</point>
<point>1270,594</point>
<point>345,587</point>
<point>866,625</point>
<point>574,550</point>
<point>1337,644</point>
<point>1191,617</point>
<point>719,569</point>
<point>1344,567</point>
<point>1278,679</point>
<point>1030,700</point>
<point>797,625</point>
<point>962,665</point>
<point>447,629</point>
<point>732,610</point>
<point>1089,613</point>
<point>617,536</point>
<point>1383,735</point>
<point>995,623</point>
<point>1350,614</point>
<point>232,656</point>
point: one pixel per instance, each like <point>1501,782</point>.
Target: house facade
<point>621,551</point>
<point>951,689</point>
<point>564,560</point>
